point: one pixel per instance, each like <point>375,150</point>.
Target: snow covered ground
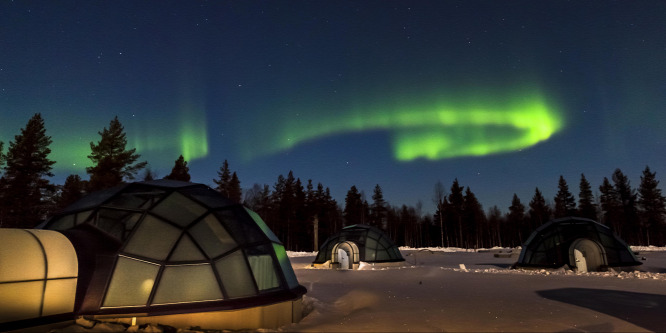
<point>454,290</point>
<point>434,292</point>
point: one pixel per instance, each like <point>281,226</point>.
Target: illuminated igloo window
<point>174,245</point>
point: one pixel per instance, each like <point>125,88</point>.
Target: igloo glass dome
<point>165,247</point>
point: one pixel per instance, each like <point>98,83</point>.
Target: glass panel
<point>212,237</point>
<point>262,225</point>
<point>240,225</point>
<point>235,275</point>
<point>263,269</point>
<point>385,243</point>
<point>179,209</point>
<point>285,264</point>
<point>186,251</point>
<point>187,283</point>
<point>137,196</point>
<point>117,223</point>
<point>94,199</point>
<point>83,216</point>
<point>371,244</point>
<point>382,255</point>
<point>63,223</point>
<point>209,197</point>
<point>59,296</point>
<point>27,294</point>
<point>22,257</point>
<point>153,239</point>
<point>131,283</point>
<point>370,254</point>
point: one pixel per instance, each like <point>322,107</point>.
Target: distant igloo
<point>167,252</point>
<point>355,244</point>
<point>580,243</point>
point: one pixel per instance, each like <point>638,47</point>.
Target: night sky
<point>505,96</point>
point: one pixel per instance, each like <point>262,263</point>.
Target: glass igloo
<point>355,244</point>
<point>163,248</point>
<point>580,243</point>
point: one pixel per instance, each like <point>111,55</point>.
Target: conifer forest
<point>303,213</point>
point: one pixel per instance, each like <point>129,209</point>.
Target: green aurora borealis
<point>480,126</point>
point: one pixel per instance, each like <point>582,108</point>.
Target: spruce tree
<point>565,203</point>
<point>180,170</point>
<point>539,211</point>
<point>234,190</point>
<point>456,207</point>
<point>651,202</point>
<point>112,162</point>
<point>628,212</point>
<point>516,221</point>
<point>378,208</point>
<point>224,178</point>
<point>73,190</point>
<point>2,156</point>
<point>474,220</point>
<point>610,206</point>
<point>23,183</point>
<point>353,212</point>
<point>587,208</point>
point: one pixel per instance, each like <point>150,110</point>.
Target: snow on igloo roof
<point>373,244</point>
<point>179,243</point>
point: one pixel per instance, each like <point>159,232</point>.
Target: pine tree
<point>73,190</point>
<point>587,208</point>
<point>180,171</point>
<point>2,155</point>
<point>628,213</point>
<point>651,202</point>
<point>234,189</point>
<point>610,205</point>
<point>23,183</point>
<point>539,211</point>
<point>474,219</point>
<point>112,163</point>
<point>353,212</point>
<point>224,177</point>
<point>516,220</point>
<point>456,207</point>
<point>565,203</point>
<point>439,198</point>
<point>378,208</point>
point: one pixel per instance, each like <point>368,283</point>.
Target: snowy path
<point>435,295</point>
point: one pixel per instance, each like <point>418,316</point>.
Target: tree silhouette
<point>378,208</point>
<point>539,211</point>
<point>587,208</point>
<point>610,205</point>
<point>353,211</point>
<point>516,222</point>
<point>73,190</point>
<point>112,162</point>
<point>565,204</point>
<point>180,171</point>
<point>23,184</point>
<point>651,202</point>
<point>224,178</point>
<point>628,213</point>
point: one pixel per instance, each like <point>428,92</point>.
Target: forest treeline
<point>304,214</point>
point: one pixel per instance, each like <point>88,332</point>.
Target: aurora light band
<point>440,131</point>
